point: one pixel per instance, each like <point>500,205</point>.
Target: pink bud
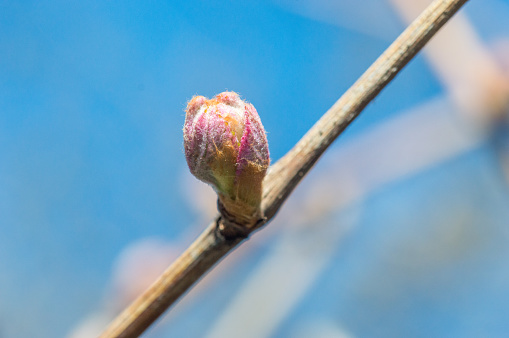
<point>226,147</point>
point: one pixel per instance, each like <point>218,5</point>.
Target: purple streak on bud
<point>226,146</point>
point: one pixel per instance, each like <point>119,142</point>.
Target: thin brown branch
<point>289,170</point>
<point>220,237</point>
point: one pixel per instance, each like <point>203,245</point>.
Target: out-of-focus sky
<point>92,98</point>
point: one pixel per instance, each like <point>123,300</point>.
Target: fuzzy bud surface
<point>226,146</point>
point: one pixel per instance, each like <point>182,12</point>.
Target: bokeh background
<point>402,230</point>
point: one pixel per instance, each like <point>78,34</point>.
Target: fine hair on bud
<point>226,146</point>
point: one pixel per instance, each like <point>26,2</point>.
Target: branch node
<point>230,231</point>
<point>228,228</point>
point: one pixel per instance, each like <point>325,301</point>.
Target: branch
<point>222,236</point>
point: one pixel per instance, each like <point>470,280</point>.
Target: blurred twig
<point>284,175</point>
<point>472,76</point>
